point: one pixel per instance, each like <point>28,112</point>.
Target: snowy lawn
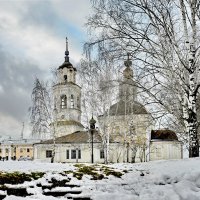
<point>158,180</point>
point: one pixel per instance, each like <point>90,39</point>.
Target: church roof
<point>67,65</point>
<point>76,137</point>
<point>163,134</point>
<point>122,108</point>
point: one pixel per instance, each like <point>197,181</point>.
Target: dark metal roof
<point>76,137</point>
<point>67,65</point>
<point>122,108</point>
<point>163,134</point>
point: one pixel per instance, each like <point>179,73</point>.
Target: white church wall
<point>67,129</point>
<point>140,122</point>
<point>61,152</point>
<point>163,150</point>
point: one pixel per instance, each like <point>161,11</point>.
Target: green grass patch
<point>110,171</point>
<point>68,172</point>
<point>96,172</point>
<point>79,165</point>
<point>18,177</point>
<point>37,175</point>
<point>88,170</point>
<point>14,178</point>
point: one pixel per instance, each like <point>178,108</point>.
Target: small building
<point>77,147</point>
<point>164,145</point>
<point>72,148</point>
<point>16,149</point>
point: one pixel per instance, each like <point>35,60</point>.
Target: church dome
<point>163,134</point>
<point>122,108</point>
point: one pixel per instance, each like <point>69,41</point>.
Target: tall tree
<point>162,37</point>
<point>41,115</point>
<point>99,92</point>
<point>42,120</point>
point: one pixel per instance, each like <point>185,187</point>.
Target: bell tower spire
<point>128,88</point>
<point>67,52</point>
<point>128,72</point>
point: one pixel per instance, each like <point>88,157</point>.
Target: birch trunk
<point>192,113</point>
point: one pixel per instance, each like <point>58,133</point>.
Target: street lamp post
<point>92,128</point>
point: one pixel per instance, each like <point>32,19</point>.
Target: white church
<point>130,126</point>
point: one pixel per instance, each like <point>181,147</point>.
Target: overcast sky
<point>32,42</point>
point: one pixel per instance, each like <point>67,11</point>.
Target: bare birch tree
<point>41,113</point>
<point>99,93</point>
<point>40,110</point>
<point>162,37</point>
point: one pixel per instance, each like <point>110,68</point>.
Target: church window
<point>0,150</point>
<point>73,154</point>
<point>72,101</point>
<point>101,154</point>
<point>78,102</point>
<point>63,101</point>
<point>65,78</point>
<point>49,153</point>
<point>28,150</point>
<point>79,154</point>
<point>67,154</point>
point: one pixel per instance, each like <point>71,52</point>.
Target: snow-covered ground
<point>158,180</point>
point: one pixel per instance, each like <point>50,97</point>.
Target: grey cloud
<point>16,80</point>
<point>39,13</point>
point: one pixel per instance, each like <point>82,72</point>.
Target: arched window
<point>65,78</point>
<point>78,102</point>
<point>72,101</point>
<point>63,101</point>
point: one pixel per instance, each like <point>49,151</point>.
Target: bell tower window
<point>78,102</point>
<point>65,78</point>
<point>63,101</point>
<point>72,101</point>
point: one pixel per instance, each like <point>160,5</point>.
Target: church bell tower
<point>67,99</point>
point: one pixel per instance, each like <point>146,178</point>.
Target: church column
<point>9,152</point>
<point>3,151</point>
